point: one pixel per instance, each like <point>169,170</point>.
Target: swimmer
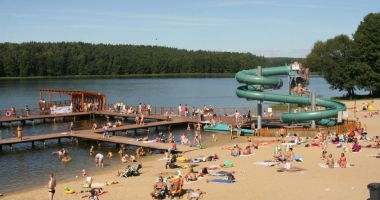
<point>121,152</point>
<point>109,155</point>
<point>92,150</point>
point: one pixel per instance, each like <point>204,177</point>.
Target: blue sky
<point>262,27</point>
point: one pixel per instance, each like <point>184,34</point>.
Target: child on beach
<point>330,161</point>
<point>342,161</point>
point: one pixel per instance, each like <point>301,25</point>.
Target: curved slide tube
<point>252,90</point>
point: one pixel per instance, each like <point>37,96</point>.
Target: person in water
<point>99,160</point>
<point>92,150</point>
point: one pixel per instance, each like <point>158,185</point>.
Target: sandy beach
<point>252,181</point>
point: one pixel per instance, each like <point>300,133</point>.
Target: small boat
<point>224,128</point>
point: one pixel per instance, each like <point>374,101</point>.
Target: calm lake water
<point>25,167</point>
<point>218,92</point>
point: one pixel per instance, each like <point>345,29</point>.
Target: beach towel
<point>221,173</point>
<point>266,164</point>
<point>252,154</point>
<point>222,181</point>
<point>228,164</point>
<point>213,167</point>
<point>98,185</point>
<point>290,169</point>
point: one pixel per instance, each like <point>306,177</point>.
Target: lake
<point>25,167</point>
<point>218,92</point>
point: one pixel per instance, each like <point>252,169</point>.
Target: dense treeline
<point>77,58</point>
<point>351,64</point>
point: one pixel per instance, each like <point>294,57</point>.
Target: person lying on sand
<point>94,193</point>
<point>195,194</point>
<point>247,150</point>
<point>190,176</point>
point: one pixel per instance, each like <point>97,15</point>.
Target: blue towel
<point>222,181</point>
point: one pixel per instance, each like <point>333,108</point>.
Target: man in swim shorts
<point>51,186</point>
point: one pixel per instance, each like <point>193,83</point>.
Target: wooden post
<point>11,146</point>
<point>1,147</point>
<point>82,102</point>
<point>32,144</point>
<point>59,140</point>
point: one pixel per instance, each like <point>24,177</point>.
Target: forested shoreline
<point>39,59</point>
<point>350,63</point>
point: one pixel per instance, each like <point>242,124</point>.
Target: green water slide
<point>254,89</point>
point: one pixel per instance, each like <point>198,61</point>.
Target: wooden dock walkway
<point>95,137</point>
<point>75,114</point>
<point>149,125</point>
<point>49,116</point>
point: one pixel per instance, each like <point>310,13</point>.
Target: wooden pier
<point>75,114</point>
<point>148,125</point>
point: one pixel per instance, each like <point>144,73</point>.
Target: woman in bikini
<point>342,161</point>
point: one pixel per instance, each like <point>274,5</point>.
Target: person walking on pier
<point>51,186</point>
<point>27,110</point>
<point>71,127</point>
<point>179,109</point>
<point>19,132</point>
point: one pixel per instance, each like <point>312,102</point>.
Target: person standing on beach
<point>19,132</point>
<point>51,186</point>
<point>99,160</point>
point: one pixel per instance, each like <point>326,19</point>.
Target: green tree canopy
<point>349,64</point>
<point>367,44</point>
<point>77,58</point>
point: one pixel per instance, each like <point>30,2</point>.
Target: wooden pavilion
<point>78,101</point>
